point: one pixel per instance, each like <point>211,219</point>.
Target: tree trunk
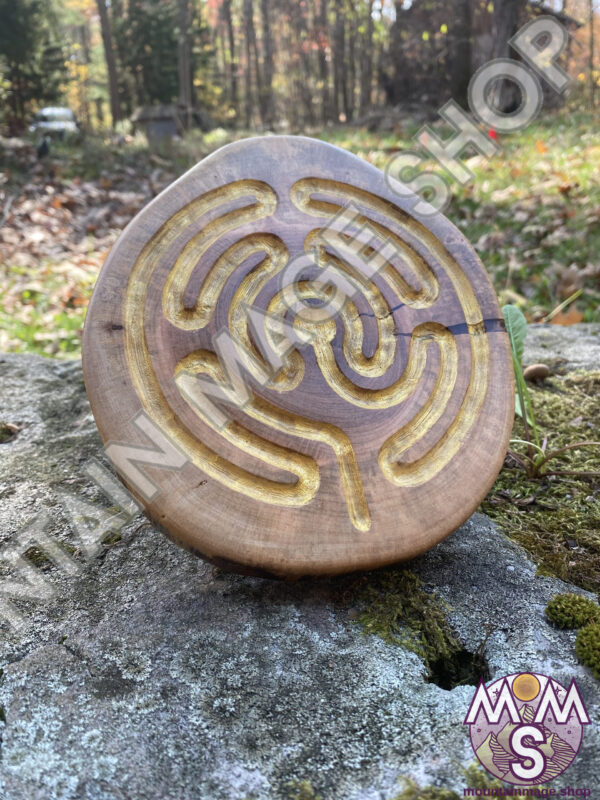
<point>269,68</point>
<point>111,66</point>
<point>592,48</point>
<point>184,53</point>
<point>395,81</point>
<point>84,102</point>
<point>350,71</point>
<point>248,30</point>
<point>366,70</point>
<point>233,82</point>
<point>323,39</point>
<point>459,50</point>
<point>304,77</point>
<point>506,24</point>
<point>252,61</point>
<point>339,66</point>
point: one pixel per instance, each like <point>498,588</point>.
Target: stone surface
<point>146,674</point>
<point>572,347</point>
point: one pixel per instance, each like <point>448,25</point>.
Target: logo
<point>526,729</point>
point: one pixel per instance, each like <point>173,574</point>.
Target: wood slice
<point>375,440</point>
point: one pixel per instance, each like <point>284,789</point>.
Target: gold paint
<point>179,277</point>
<point>342,245</point>
<point>406,384</point>
<point>275,260</point>
<point>301,193</point>
<point>144,378</point>
<point>415,473</point>
<point>206,362</point>
<point>423,469</point>
<point>418,289</point>
<point>383,357</point>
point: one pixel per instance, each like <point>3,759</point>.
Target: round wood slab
<point>389,418</point>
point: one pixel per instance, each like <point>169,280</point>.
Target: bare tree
<point>184,48</point>
<point>227,17</point>
<point>269,67</point>
<point>111,66</point>
<point>592,47</point>
<point>366,71</point>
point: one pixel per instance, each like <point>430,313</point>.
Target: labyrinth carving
<point>375,368</point>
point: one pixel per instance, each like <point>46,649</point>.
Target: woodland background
<point>364,74</point>
<point>268,63</point>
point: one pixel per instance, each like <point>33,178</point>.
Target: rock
<point>146,673</point>
<point>571,347</point>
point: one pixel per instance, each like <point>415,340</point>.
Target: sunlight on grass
<point>532,213</point>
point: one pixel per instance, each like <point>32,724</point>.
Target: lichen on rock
<point>150,674</point>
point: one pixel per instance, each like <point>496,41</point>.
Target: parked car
<point>56,122</point>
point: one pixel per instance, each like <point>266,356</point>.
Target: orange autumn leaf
<point>540,146</point>
<point>570,317</point>
<point>566,188</point>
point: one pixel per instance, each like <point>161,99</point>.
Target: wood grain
<point>374,441</point>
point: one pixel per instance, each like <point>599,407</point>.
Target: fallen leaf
<point>570,317</point>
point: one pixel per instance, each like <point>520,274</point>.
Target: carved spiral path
<point>376,438</point>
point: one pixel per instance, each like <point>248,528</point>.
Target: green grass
<point>531,212</point>
<point>537,202</point>
<point>37,316</point>
<point>539,205</point>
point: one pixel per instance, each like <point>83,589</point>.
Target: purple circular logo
<point>526,728</point>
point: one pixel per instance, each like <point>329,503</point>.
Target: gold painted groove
<point>301,193</point>
<point>206,362</point>
<point>423,274</point>
<point>142,372</point>
<point>214,282</point>
<point>417,472</point>
<point>423,469</point>
<point>276,259</point>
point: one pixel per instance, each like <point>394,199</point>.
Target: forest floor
<point>532,213</point>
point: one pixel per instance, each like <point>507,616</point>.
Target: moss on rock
<point>412,791</point>
<point>572,610</point>
<point>302,790</point>
<point>556,518</point>
<point>396,607</point>
<point>587,647</point>
<point>476,777</point>
<point>6,432</point>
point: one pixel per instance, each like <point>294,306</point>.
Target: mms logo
<point>526,729</point>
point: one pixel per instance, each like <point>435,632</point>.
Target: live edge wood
<point>377,439</point>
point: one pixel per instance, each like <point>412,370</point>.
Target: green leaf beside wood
<point>516,327</point>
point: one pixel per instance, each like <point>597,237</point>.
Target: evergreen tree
<point>147,39</point>
<point>32,60</point>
